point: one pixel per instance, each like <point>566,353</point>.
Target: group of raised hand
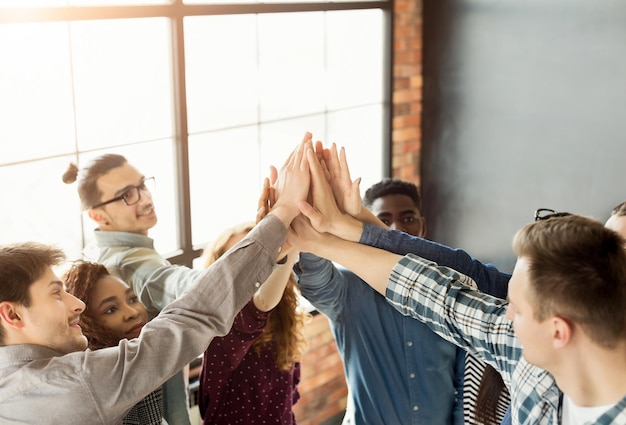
<point>315,196</point>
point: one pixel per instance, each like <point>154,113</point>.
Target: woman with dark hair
<point>113,312</point>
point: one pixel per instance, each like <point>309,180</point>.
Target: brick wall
<point>322,388</point>
<point>407,90</point>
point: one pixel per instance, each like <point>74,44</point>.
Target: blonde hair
<point>286,321</point>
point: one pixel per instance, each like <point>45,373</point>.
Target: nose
<point>397,226</point>
<point>76,305</point>
<point>130,312</point>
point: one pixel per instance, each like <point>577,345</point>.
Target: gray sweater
<point>38,385</point>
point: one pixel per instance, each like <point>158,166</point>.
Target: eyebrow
<point>56,282</point>
<point>405,212</point>
<point>113,298</point>
<point>128,186</point>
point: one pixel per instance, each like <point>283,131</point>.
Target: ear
<point>562,332</point>
<point>10,315</point>
<point>99,217</point>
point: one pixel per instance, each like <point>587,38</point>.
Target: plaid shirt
<point>449,304</point>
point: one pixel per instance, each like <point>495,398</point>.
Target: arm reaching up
<point>292,185</point>
<point>373,265</point>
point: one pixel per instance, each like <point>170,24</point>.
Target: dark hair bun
<point>70,175</point>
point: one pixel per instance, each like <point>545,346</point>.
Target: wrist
<point>349,228</point>
<point>284,214</point>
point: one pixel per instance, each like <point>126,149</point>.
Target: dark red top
<point>239,386</point>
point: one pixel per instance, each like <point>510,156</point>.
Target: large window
<point>202,96</point>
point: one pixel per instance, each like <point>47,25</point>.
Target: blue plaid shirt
<point>449,304</point>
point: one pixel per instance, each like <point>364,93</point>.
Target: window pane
<point>279,138</point>
<point>122,73</point>
<point>35,92</point>
<point>355,57</point>
<point>153,159</point>
<point>222,72</point>
<point>38,206</point>
<point>292,65</point>
<point>225,180</point>
<point>116,2</point>
<point>360,131</point>
<point>58,3</point>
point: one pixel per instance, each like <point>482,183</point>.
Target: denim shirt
<point>488,278</point>
<point>398,371</point>
<point>419,381</point>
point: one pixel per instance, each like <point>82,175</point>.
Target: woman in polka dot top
<point>250,376</point>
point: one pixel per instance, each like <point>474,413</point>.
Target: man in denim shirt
<point>398,370</point>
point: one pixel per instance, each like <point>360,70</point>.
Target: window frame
<point>175,13</point>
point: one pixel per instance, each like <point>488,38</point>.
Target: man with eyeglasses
<point>118,198</point>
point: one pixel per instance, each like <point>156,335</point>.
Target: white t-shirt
<point>576,415</point>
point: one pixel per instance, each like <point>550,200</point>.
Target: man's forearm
<point>373,265</point>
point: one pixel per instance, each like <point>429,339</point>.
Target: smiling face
<point>116,307</point>
<point>399,212</point>
<point>535,336</point>
<point>52,318</point>
<point>117,216</point>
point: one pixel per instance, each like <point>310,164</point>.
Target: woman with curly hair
<point>251,374</point>
<point>113,312</point>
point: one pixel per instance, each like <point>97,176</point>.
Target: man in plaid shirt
<point>560,340</point>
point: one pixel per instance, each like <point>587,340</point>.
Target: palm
<point>346,191</point>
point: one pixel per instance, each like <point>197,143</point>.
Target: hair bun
<point>71,174</point>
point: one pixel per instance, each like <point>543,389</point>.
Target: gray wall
<point>524,107</point>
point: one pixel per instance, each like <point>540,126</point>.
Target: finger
<point>333,162</point>
<point>273,175</point>
<point>343,164</point>
<point>262,206</point>
<point>317,173</point>
<point>309,211</point>
<point>319,150</point>
<point>325,169</point>
<point>272,197</point>
<point>295,159</point>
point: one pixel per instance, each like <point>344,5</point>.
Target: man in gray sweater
<point>46,376</point>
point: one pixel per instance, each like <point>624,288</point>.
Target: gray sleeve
<point>118,377</point>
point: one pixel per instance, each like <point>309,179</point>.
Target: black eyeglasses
<point>132,195</point>
<point>546,213</point>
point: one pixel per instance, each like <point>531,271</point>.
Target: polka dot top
<point>239,386</point>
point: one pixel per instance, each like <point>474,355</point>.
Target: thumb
<point>316,218</point>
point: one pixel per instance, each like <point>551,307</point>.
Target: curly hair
<point>286,322</point>
<point>80,280</point>
<point>389,186</point>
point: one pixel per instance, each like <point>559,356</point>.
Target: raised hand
<point>323,212</point>
<point>303,236</point>
<point>346,191</point>
<point>292,184</point>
